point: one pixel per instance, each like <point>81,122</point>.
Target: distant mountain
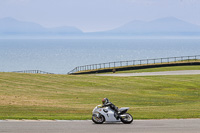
<point>163,26</point>
<point>10,26</point>
<point>64,29</point>
<point>169,26</point>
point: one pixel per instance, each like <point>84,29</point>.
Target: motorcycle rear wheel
<point>128,119</point>
<point>98,120</point>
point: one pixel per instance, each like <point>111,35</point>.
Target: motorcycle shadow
<point>110,123</point>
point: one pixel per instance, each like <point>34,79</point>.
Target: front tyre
<point>127,119</point>
<point>98,120</point>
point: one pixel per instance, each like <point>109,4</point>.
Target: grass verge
<point>37,96</point>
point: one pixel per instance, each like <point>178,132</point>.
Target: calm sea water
<point>60,56</point>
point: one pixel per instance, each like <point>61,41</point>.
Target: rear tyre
<point>128,119</point>
<point>98,120</point>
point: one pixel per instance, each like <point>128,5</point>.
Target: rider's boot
<point>117,115</point>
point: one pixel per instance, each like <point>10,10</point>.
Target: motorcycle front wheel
<point>127,119</point>
<point>98,120</point>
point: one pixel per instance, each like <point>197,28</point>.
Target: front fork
<point>96,115</point>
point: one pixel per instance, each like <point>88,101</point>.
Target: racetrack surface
<point>138,126</point>
<point>182,72</point>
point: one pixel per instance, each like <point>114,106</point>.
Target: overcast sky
<point>98,15</point>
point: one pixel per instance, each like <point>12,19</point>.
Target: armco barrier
<point>131,64</point>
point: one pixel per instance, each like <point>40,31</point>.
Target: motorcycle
<point>106,114</point>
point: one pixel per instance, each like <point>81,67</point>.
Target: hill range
<point>169,26</point>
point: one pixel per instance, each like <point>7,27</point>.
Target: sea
<point>60,56</point>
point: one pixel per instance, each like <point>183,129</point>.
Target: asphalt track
<point>181,72</point>
<point>138,126</point>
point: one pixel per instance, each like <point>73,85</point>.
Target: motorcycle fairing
<point>123,110</point>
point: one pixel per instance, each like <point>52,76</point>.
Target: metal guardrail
<point>133,63</point>
<point>33,71</point>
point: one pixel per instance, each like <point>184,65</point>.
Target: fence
<point>33,71</point>
<point>133,63</point>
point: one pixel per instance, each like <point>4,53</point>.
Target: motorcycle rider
<point>107,103</point>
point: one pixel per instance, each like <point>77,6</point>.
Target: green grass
<point>37,96</point>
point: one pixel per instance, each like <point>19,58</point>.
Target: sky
<point>98,15</point>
